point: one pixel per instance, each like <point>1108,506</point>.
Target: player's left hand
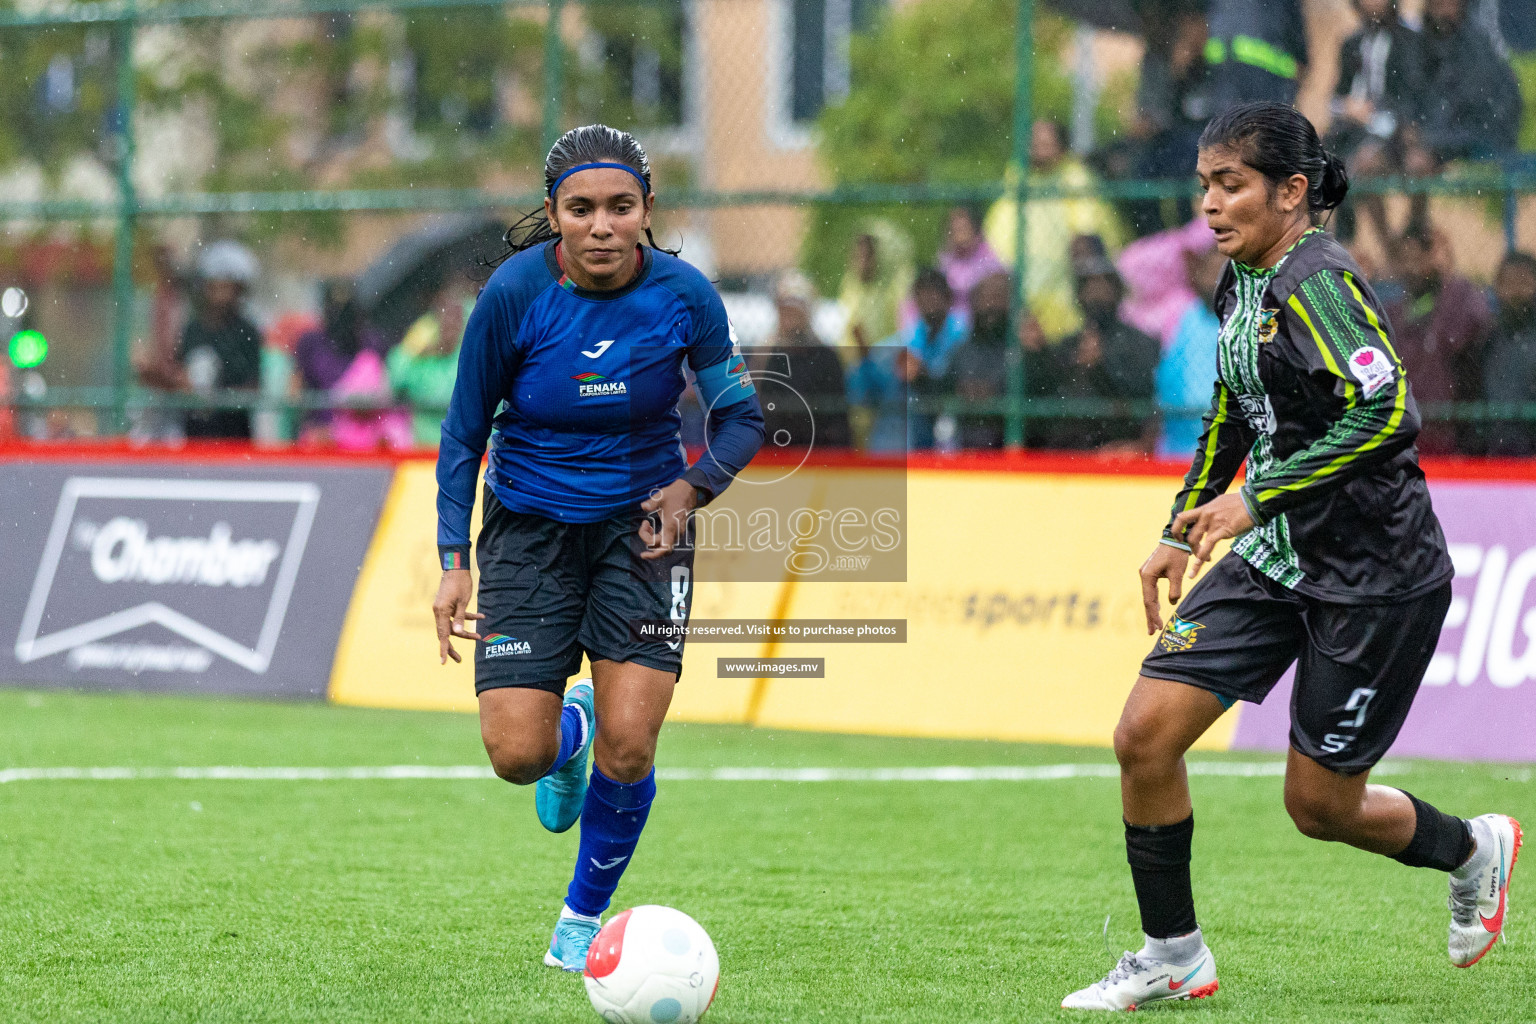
<point>1202,528</point>
<point>672,504</point>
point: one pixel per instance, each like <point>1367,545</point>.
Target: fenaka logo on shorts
<point>499,645</point>
<point>211,562</point>
<point>1179,635</point>
<point>594,385</point>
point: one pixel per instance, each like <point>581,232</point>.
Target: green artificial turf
<point>405,901</point>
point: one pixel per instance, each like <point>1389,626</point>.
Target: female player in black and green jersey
<point>1338,564</point>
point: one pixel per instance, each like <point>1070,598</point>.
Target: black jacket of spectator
<point>1257,49</point>
<point>1509,374</point>
<point>1472,102</point>
<point>978,372</point>
<point>1123,368</point>
<point>218,356</point>
<point>1395,85</point>
<point>794,368</point>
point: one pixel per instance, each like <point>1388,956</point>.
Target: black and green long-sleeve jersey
<point>1311,394</point>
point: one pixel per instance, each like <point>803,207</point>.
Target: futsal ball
<point>652,965</point>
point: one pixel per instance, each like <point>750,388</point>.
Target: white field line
<point>996,773</point>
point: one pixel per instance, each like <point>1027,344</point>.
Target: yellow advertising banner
<point>1021,601</point>
<point>1023,610</point>
<point>388,651</point>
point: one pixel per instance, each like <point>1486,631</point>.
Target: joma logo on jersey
<point>592,385</point>
<point>1179,635</point>
<point>499,645</point>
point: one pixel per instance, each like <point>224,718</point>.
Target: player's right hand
<point>1168,563</point>
<point>449,609</point>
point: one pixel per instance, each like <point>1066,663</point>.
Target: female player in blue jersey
<point>572,366</point>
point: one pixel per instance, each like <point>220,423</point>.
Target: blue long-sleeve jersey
<point>577,392</point>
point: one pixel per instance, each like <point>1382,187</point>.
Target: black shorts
<point>551,591</point>
<point>1359,666</point>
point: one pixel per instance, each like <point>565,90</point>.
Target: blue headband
<point>644,188</point>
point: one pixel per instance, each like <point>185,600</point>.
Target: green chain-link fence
<point>320,131</point>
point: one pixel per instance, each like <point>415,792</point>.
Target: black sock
<point>1159,858</point>
<point>1439,841</point>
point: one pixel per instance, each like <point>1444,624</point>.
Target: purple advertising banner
<point>1478,700</point>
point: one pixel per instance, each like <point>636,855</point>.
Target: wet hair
<point>589,144</point>
<point>1278,141</point>
<point>971,212</point>
<point>932,279</point>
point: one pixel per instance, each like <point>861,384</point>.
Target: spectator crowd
<point>1114,347</point>
<point>366,393</point>
<point>1116,344</point>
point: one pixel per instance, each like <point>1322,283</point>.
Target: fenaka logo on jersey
<point>1371,368</point>
<point>1179,635</point>
<point>499,645</point>
<point>592,385</point>
<point>1269,323</point>
<point>167,575</point>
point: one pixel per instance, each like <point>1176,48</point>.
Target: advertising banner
<point>1023,610</point>
<point>388,655</point>
<point>1478,700</point>
<point>180,576</point>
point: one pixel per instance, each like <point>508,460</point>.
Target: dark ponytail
<point>1278,141</point>
<point>1335,184</point>
<point>592,143</point>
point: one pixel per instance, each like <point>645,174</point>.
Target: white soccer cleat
<point>1478,903</point>
<point>1138,980</point>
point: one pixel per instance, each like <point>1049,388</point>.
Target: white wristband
<point>1176,544</point>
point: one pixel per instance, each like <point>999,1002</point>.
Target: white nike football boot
<point>1138,980</point>
<point>1478,902</point>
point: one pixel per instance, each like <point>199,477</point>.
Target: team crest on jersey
<point>1269,323</point>
<point>1179,635</point>
<point>593,385</point>
<point>499,645</point>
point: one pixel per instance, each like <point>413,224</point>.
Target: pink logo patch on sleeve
<point>1372,368</point>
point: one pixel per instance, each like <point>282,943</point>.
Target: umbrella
<point>398,287</point>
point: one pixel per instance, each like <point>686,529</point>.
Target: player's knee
<point>625,759</point>
<point>521,764</point>
<point>1318,817</point>
<point>1138,746</point>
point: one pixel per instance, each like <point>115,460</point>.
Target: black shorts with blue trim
<point>553,591</point>
<point>1358,666</point>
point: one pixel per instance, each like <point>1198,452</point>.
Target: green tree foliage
<point>57,92</point>
<point>1525,69</point>
<point>639,81</point>
<point>931,103</point>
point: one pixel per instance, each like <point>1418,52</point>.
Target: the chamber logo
<point>211,561</point>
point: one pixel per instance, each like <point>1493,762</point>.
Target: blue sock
<point>611,821</point>
<point>571,735</point>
